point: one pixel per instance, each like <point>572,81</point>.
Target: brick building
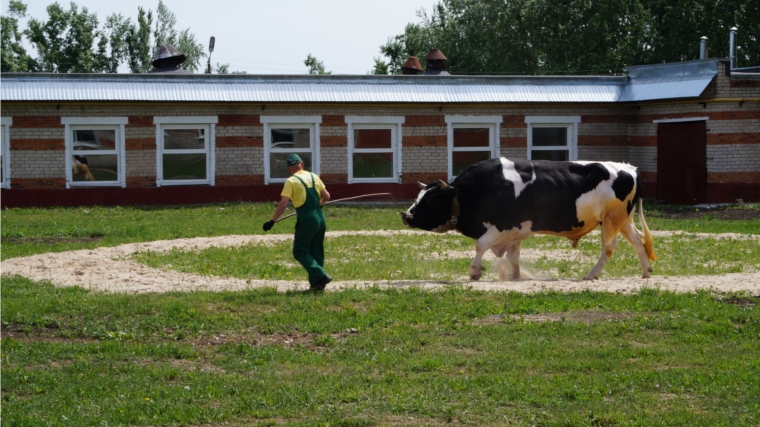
<point>692,128</point>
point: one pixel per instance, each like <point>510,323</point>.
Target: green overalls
<point>308,243</point>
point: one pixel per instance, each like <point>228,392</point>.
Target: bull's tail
<point>648,240</point>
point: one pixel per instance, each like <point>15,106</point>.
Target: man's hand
<point>268,225</point>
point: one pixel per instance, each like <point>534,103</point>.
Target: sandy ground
<point>112,270</point>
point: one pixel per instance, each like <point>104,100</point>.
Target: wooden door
<point>681,162</point>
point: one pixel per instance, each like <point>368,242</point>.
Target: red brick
<point>735,115</point>
<point>733,138</point>
<point>517,141</point>
<point>334,121</point>
<point>37,122</point>
<point>333,141</point>
<point>606,118</point>
<point>140,144</point>
<point>642,141</point>
<point>745,83</point>
<point>233,180</point>
<point>38,183</point>
<point>140,121</point>
<point>425,177</point>
<point>239,141</point>
<point>424,141</point>
<point>733,177</point>
<point>334,178</point>
<point>239,120</point>
<point>602,140</point>
<point>141,181</point>
<point>37,144</point>
<point>513,121</point>
<point>414,121</point>
<point>649,176</point>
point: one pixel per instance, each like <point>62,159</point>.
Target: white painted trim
<point>553,119</point>
<point>183,120</point>
<point>493,123</point>
<point>572,135</point>
<point>94,123</point>
<point>5,124</point>
<point>473,119</point>
<point>684,119</point>
<point>291,122</point>
<point>209,150</point>
<point>394,125</point>
<point>94,120</point>
<point>290,119</point>
<point>375,119</point>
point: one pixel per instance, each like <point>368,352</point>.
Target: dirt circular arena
<point>111,269</point>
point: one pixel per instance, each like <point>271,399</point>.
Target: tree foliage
<point>14,56</point>
<point>573,36</point>
<point>71,41</point>
<point>315,66</point>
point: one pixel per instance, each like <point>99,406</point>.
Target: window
<point>284,135</point>
<point>185,150</point>
<point>470,140</point>
<point>552,137</point>
<point>5,171</point>
<point>94,151</point>
<point>374,148</point>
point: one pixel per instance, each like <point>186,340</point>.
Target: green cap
<point>293,160</point>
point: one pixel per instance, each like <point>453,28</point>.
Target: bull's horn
<point>422,186</point>
<point>443,184</point>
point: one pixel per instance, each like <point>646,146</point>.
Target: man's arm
<point>325,197</point>
<point>280,208</point>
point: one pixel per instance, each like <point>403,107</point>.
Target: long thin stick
<point>347,198</point>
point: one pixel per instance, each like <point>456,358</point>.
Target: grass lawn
<point>372,357</point>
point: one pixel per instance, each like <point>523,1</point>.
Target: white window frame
<point>569,122</point>
<point>5,124</point>
<point>375,122</point>
<point>290,122</point>
<point>493,123</point>
<point>208,123</point>
<point>96,123</point>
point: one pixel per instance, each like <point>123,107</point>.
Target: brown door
<point>681,162</point>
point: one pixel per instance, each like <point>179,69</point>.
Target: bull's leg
<point>491,237</point>
<point>630,233</point>
<point>513,255</point>
<point>609,244</point>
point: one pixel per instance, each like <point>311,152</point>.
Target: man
<point>308,194</point>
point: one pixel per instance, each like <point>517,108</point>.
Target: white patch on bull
<point>592,206</point>
<point>511,174</point>
<point>419,198</point>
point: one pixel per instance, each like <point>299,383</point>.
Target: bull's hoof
<point>646,276</point>
<point>590,277</point>
<point>650,270</point>
<point>475,276</point>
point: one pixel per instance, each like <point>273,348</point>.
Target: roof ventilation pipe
<point>435,62</point>
<point>732,47</point>
<point>703,48</point>
<point>411,66</point>
<point>167,60</point>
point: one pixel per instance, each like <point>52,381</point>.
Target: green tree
<point>381,67</point>
<point>139,49</point>
<point>574,36</point>
<point>14,57</point>
<point>315,66</point>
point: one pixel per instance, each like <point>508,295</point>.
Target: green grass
<point>417,358</point>
<point>33,231</point>
<point>425,257</point>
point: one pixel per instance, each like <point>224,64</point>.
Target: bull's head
<point>434,208</point>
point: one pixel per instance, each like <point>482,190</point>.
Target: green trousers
<point>309,244</point>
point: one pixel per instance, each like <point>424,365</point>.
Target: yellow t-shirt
<point>295,191</point>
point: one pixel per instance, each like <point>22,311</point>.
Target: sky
<point>272,36</point>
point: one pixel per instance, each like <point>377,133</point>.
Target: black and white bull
<point>500,202</point>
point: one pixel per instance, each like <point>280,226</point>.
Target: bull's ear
<point>443,185</point>
<point>422,186</point>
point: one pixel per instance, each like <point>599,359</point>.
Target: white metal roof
<point>642,84</point>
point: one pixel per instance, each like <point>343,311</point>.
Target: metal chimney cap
<point>734,29</point>
<point>167,56</point>
<point>435,54</point>
<point>412,63</point>
<point>703,38</point>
